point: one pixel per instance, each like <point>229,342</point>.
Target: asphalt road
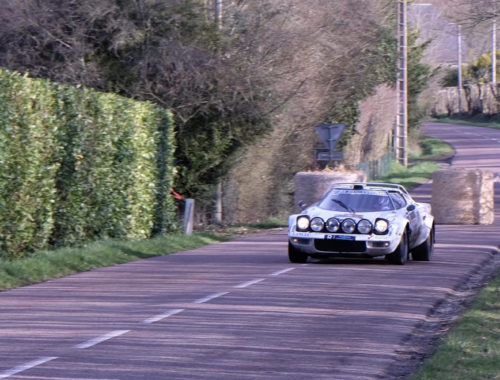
<point>240,310</point>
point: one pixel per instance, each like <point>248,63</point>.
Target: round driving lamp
<point>364,226</point>
<point>381,226</point>
<point>302,223</point>
<point>332,225</point>
<point>348,226</point>
<point>317,224</point>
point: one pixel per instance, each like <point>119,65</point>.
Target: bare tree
<point>168,52</point>
<point>473,13</point>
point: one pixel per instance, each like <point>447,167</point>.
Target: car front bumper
<point>321,244</point>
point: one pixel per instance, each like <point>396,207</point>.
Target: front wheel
<point>295,256</point>
<point>424,251</point>
<point>400,254</point>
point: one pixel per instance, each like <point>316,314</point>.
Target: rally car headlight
<point>364,226</point>
<point>317,224</point>
<point>381,226</point>
<point>348,226</point>
<point>332,225</point>
<point>302,223</point>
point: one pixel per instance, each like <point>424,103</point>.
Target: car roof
<point>388,187</point>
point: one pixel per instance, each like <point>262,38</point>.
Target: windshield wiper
<point>343,205</point>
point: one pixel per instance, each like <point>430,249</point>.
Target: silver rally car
<point>363,220</point>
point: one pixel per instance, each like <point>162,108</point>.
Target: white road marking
<point>159,317</point>
<point>210,297</point>
<point>248,283</point>
<point>282,271</point>
<point>102,338</point>
<point>26,366</point>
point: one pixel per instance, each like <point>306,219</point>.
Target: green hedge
<point>77,165</point>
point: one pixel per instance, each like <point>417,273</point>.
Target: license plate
<point>339,237</point>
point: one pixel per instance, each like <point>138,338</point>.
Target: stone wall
<point>463,196</point>
<point>474,99</point>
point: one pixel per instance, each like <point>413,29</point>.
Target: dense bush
<point>77,165</point>
<point>170,52</point>
<point>28,143</point>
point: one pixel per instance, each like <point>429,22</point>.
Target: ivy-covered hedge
<point>78,165</point>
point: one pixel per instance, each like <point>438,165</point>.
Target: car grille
<point>340,245</point>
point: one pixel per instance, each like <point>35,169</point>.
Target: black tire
<point>296,256</point>
<point>400,254</point>
<point>424,251</point>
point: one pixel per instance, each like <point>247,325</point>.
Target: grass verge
<point>411,176</point>
<point>432,150</point>
<point>471,350</point>
<point>46,265</point>
<point>245,228</point>
<point>422,163</point>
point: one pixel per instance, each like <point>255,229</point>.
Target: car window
<point>359,201</point>
<point>398,200</point>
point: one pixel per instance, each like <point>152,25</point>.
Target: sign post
<point>329,134</point>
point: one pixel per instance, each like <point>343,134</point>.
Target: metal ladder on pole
<point>401,128</point>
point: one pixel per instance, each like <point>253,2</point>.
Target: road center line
<point>102,338</point>
<point>282,271</point>
<point>25,367</point>
<point>159,317</point>
<point>248,283</point>
<point>210,297</point>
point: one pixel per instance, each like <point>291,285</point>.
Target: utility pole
<point>494,51</point>
<point>218,13</point>
<point>401,129</point>
<point>218,216</point>
<point>459,68</point>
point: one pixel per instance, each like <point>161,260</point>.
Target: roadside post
<point>188,216</point>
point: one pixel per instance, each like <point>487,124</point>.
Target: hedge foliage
<point>78,165</point>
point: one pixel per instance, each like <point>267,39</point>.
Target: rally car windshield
<point>362,201</point>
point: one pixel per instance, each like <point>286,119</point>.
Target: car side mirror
<point>411,208</point>
<point>302,204</point>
